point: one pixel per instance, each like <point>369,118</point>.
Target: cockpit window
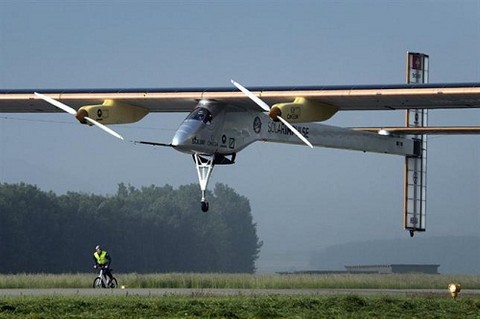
<point>201,114</point>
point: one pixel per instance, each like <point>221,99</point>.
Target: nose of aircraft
<point>182,140</point>
<point>180,137</point>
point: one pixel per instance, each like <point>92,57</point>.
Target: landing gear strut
<point>204,170</point>
<point>204,165</point>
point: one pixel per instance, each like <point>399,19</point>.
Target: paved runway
<point>229,292</point>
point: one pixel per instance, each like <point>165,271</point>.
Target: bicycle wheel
<point>114,283</point>
<point>97,283</point>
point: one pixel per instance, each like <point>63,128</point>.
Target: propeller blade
<point>266,107</point>
<point>72,111</point>
<point>252,96</point>
<point>294,130</point>
<point>103,127</point>
<point>56,103</point>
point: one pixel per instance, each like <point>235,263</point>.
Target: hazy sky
<point>302,199</point>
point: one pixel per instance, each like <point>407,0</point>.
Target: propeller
<point>273,112</point>
<point>81,117</point>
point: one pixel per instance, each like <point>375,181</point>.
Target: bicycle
<point>103,281</point>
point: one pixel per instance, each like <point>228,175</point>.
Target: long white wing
<point>374,97</point>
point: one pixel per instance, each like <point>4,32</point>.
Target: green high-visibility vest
<point>102,259</point>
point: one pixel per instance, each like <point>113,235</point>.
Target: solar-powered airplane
<point>223,121</point>
<point>216,130</point>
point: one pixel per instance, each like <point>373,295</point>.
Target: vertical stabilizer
<point>415,184</point>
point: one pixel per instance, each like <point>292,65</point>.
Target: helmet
<point>98,247</point>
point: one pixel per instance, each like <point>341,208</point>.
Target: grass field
<point>350,306</point>
<point>196,306</point>
<point>245,281</point>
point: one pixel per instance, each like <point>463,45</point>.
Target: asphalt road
<point>229,292</point>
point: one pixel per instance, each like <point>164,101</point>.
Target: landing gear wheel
<point>204,206</point>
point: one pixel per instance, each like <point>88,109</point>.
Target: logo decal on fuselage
<point>196,141</point>
<point>212,141</point>
<point>281,129</point>
<point>257,125</point>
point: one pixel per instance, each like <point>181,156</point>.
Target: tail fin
<point>415,184</point>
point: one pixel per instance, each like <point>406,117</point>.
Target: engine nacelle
<point>112,112</point>
<point>305,110</point>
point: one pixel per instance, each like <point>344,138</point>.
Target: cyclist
<point>103,260</point>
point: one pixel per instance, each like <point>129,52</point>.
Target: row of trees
<point>152,229</point>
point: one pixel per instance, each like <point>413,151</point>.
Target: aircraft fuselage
<point>221,129</point>
<point>212,128</point>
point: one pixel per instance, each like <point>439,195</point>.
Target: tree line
<point>151,229</point>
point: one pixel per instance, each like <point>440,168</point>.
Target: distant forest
<point>152,229</point>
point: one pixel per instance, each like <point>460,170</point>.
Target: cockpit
<point>201,114</point>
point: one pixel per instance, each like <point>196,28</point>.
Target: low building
<point>394,269</point>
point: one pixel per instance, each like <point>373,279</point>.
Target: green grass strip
<point>350,306</point>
